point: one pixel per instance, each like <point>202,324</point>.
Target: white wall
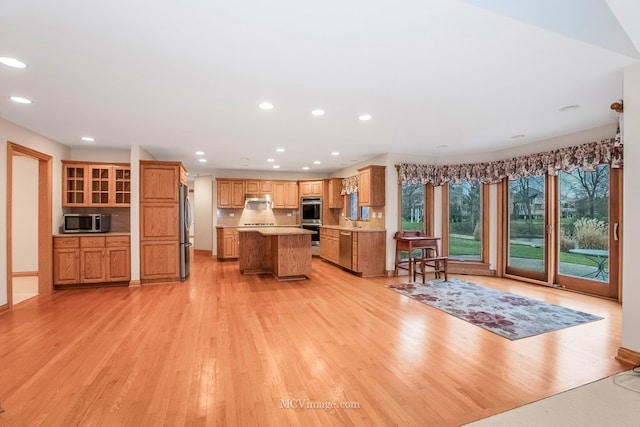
<point>95,154</point>
<point>203,213</point>
<point>630,224</point>
<point>24,211</point>
<point>10,132</point>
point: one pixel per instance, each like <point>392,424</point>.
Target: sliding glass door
<point>526,202</point>
<point>587,239</point>
<point>564,230</point>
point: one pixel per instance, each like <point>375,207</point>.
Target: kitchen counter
<point>284,252</point>
<point>110,233</point>
<point>354,229</point>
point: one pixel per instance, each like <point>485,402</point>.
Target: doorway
<point>29,229</point>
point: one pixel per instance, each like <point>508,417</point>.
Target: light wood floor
<point>225,349</point>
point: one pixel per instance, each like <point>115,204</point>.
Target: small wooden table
<point>409,244</point>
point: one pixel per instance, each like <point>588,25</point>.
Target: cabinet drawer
<point>66,242</point>
<point>113,241</point>
<point>230,232</point>
<point>92,242</point>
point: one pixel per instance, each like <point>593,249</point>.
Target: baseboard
<point>134,283</point>
<point>202,251</point>
<point>628,356</point>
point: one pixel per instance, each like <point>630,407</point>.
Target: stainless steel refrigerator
<point>184,217</point>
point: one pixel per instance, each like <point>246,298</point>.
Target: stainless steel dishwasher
<point>345,249</point>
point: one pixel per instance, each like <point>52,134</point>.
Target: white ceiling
<point>439,77</point>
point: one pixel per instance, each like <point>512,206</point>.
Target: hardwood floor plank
<point>229,349</point>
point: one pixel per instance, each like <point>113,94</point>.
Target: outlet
<point>232,214</point>
<point>289,214</point>
<point>379,214</point>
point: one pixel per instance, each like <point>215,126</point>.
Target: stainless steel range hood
<point>258,201</point>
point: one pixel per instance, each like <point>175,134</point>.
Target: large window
<point>465,220</point>
<point>412,199</point>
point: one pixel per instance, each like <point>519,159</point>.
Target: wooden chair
<point>403,263</point>
<point>431,259</point>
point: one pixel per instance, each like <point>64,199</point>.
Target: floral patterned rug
<point>509,315</point>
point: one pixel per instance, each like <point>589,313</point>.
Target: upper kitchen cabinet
<point>258,186</point>
<point>96,184</point>
<point>231,193</point>
<point>371,186</point>
<point>334,196</point>
<point>310,188</point>
<point>285,195</point>
<point>159,181</point>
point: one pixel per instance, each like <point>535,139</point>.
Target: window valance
<point>349,185</point>
<point>587,156</point>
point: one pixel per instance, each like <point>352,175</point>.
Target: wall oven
<point>311,210</point>
<point>315,238</point>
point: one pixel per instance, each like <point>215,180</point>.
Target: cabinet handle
<point>615,231</point>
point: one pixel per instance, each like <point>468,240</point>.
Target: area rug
<point>509,315</point>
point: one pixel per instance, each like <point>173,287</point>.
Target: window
<point>465,220</point>
<point>353,212</point>
<point>412,201</point>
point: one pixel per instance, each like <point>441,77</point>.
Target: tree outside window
<point>413,204</point>
<point>465,220</point>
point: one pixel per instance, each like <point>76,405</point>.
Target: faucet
<point>354,222</point>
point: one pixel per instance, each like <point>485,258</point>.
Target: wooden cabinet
<point>118,258</point>
<point>285,195</point>
<point>95,184</point>
<point>86,260</point>
<point>334,197</point>
<point>368,251</point>
<point>258,186</point>
<point>371,186</point>
<point>231,193</point>
<point>227,243</point>
<point>66,260</point>
<point>330,244</point>
<point>310,188</point>
<point>159,227</point>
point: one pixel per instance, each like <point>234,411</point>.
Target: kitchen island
<point>284,252</point>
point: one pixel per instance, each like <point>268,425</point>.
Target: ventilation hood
<point>257,201</point>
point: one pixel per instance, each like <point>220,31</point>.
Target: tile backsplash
<point>234,217</point>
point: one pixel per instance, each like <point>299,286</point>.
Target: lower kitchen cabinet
<point>83,260</point>
<point>368,250</point>
<point>227,243</point>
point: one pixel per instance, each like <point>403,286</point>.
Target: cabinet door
<point>266,187</point>
<point>75,180</point>
<point>118,261</point>
<point>99,185</point>
<point>291,189</point>
<point>66,266</point>
<point>118,264</point>
<point>364,188</point>
<point>159,183</point>
<point>237,194</point>
<point>335,196</point>
<point>159,260</point>
<point>159,221</point>
<point>92,269</point>
<point>121,186</point>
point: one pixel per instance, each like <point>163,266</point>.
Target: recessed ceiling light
<point>12,62</point>
<point>271,160</point>
<point>199,153</point>
<point>20,100</point>
<point>265,106</point>
<point>316,162</point>
<point>87,139</point>
<point>364,117</point>
<point>335,153</point>
<point>202,160</point>
<point>317,112</point>
<point>305,168</point>
<point>280,150</point>
<point>569,108</point>
<point>276,167</point>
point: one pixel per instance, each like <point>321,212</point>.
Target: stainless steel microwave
<point>86,223</point>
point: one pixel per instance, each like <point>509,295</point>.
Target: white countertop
<point>275,231</point>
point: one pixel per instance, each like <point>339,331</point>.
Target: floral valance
<point>586,156</point>
<point>350,185</point>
